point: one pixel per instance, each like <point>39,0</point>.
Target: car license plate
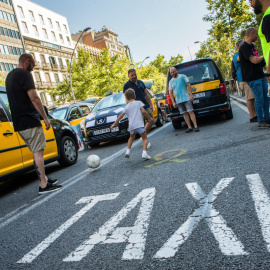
<point>105,130</point>
<point>199,95</point>
<point>196,101</point>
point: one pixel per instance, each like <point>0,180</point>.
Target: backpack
<point>233,72</point>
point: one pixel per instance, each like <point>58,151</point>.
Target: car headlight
<point>82,126</point>
<point>125,118</point>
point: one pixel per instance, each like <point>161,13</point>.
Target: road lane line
<point>262,205</point>
<point>109,233</point>
<point>244,108</point>
<point>227,240</point>
<point>91,202</point>
<point>74,180</point>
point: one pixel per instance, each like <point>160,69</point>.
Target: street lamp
<point>144,60</point>
<point>85,30</point>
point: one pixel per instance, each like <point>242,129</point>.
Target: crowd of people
<point>252,80</point>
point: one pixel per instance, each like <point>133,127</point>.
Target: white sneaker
<point>127,155</point>
<point>145,156</point>
<point>148,145</point>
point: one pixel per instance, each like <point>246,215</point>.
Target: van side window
<point>3,116</point>
<point>76,112</point>
<point>4,98</point>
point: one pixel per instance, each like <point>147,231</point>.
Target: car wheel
<point>68,152</point>
<point>176,124</point>
<point>159,122</point>
<point>229,114</point>
<point>94,144</point>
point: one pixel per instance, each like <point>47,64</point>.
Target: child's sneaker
<point>145,156</point>
<point>127,155</point>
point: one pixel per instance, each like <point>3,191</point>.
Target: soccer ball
<point>93,161</point>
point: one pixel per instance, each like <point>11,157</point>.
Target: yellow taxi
<point>15,156</point>
<point>157,113</point>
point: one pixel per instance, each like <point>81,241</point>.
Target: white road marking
<point>228,242</point>
<point>262,205</point>
<point>90,201</point>
<point>73,180</point>
<point>109,233</point>
<point>243,107</point>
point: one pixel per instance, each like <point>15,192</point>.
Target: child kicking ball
<point>135,112</point>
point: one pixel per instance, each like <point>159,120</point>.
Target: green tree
<point>2,80</point>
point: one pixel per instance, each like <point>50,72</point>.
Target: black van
<point>208,87</point>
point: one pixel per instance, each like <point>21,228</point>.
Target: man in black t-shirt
<point>26,108</point>
<point>252,72</point>
<point>142,95</point>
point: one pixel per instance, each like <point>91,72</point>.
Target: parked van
<point>208,88</point>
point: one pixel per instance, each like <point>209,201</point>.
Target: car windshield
<point>5,99</point>
<point>110,101</point>
<point>148,84</point>
<point>198,72</point>
<point>160,96</point>
<point>59,113</point>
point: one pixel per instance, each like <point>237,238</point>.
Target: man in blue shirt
<point>183,98</point>
<point>244,87</point>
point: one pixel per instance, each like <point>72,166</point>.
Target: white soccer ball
<point>93,161</point>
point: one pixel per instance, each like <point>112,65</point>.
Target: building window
<point>21,12</point>
<point>60,62</point>
<point>37,76</point>
<point>58,26</point>
<point>66,30</point>
<point>42,59</point>
<point>45,33</point>
<point>47,77</point>
<point>25,29</point>
<point>41,19</point>
<point>68,40</point>
<point>35,31</point>
<point>61,38</point>
<point>50,22</point>
<point>53,36</point>
<point>52,62</point>
<point>56,77</point>
<point>32,17</point>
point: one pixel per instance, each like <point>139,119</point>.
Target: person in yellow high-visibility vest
<point>260,6</point>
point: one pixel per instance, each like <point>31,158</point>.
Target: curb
<point>244,102</point>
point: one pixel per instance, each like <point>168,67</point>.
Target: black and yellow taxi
<point>15,156</point>
<point>157,112</point>
<point>211,97</point>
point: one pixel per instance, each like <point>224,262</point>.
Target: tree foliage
<point>229,21</point>
<point>2,80</point>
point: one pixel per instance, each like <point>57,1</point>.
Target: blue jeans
<point>260,91</point>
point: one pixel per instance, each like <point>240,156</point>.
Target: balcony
<point>52,84</point>
<point>41,85</point>
<point>64,69</point>
<point>38,65</point>
<point>55,67</point>
<point>46,66</point>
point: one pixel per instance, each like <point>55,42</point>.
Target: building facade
<point>104,39</point>
<point>11,44</point>
<point>47,37</point>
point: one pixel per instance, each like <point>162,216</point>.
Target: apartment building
<point>11,45</point>
<point>47,37</point>
<point>106,38</point>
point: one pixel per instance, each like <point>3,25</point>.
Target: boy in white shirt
<point>135,112</point>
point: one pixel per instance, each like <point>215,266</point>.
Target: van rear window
<point>198,72</point>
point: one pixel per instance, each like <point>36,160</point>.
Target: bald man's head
<point>26,61</point>
<point>252,34</point>
<point>173,72</point>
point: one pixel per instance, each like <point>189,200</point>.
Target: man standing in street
<point>183,98</point>
<point>244,86</point>
<point>142,95</point>
<point>26,108</point>
<point>260,6</point>
<point>252,72</point>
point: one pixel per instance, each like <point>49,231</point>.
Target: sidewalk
<point>238,98</point>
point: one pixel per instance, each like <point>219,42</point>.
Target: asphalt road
<point>201,202</point>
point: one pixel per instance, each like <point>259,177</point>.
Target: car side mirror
<point>72,116</point>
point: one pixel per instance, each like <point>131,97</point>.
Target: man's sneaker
<point>263,125</point>
<point>145,156</point>
<point>189,130</point>
<point>148,145</point>
<point>127,155</point>
<point>49,188</point>
<point>253,120</point>
<point>52,181</point>
<point>196,129</point>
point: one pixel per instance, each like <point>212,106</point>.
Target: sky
<point>148,27</point>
